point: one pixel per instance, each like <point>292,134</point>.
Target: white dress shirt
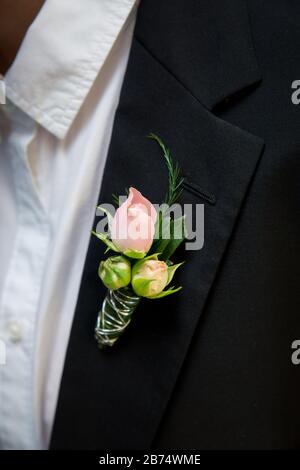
<point>62,92</point>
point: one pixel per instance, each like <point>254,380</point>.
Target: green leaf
<point>164,293</point>
<point>116,199</point>
<point>141,285</point>
<point>153,256</point>
<point>172,270</point>
<point>162,233</point>
<point>177,226</point>
<point>104,238</point>
<point>134,254</point>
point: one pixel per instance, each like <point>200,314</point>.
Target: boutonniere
<point>143,239</point>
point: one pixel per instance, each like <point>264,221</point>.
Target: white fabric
<point>62,93</point>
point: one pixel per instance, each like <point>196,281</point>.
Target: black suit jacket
<point>209,367</point>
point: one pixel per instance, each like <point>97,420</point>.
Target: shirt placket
<point>19,310</point>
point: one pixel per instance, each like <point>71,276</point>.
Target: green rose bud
<point>115,272</point>
<point>149,277</point>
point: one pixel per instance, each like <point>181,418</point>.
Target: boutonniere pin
<point>143,240</point>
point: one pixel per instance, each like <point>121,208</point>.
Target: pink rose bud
<point>133,225</point>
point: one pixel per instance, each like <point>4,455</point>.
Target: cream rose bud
<point>115,272</point>
<point>149,277</point>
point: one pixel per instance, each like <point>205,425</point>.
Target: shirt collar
<point>60,57</point>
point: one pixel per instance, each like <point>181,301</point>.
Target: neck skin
<point>15,18</point>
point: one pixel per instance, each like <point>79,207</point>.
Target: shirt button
<point>15,331</point>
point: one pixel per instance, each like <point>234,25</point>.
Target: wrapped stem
<point>115,315</point>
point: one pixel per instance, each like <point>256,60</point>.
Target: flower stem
<point>115,315</point>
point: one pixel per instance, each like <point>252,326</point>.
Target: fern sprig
<point>116,199</point>
<point>175,179</point>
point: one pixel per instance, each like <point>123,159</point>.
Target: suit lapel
<point>207,45</point>
<point>116,398</point>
